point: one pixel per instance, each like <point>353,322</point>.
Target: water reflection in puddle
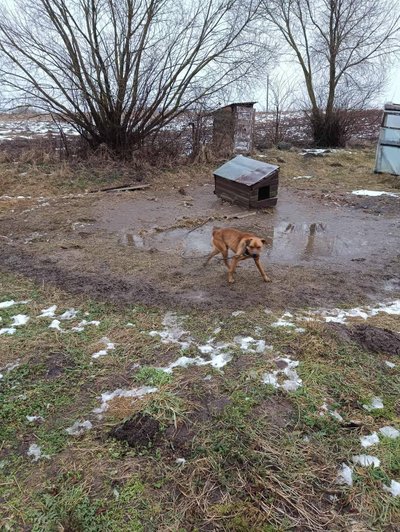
<point>287,242</point>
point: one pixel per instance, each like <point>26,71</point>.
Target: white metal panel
<point>388,160</point>
<point>392,120</point>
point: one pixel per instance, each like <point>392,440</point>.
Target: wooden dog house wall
<point>247,182</point>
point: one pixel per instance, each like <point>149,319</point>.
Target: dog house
<point>233,129</point>
<point>247,182</point>
<point>388,150</point>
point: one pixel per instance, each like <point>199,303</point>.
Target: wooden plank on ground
<point>122,188</point>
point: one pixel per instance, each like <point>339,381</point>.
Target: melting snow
<point>31,419</point>
<point>48,312</point>
<point>368,441</point>
<point>251,345</point>
<point>393,489</point>
<point>389,432</point>
<point>8,330</point>
<point>36,452</point>
<point>109,396</point>
<point>373,193</point>
<point>340,315</point>
<point>238,313</point>
<point>284,322</point>
<point>292,381</point>
<point>303,177</point>
<point>6,304</point>
<point>366,460</point>
<point>375,404</point>
<point>55,324</point>
<point>345,475</point>
<point>81,325</point>
<point>334,413</point>
<point>173,331</point>
<point>69,314</point>
<point>180,461</point>
<point>19,319</point>
<point>390,364</point>
<point>79,427</point>
<point>108,347</point>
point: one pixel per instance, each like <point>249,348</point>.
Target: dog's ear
<point>248,241</point>
<point>263,241</point>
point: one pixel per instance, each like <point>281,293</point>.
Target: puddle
<point>298,230</point>
<point>286,242</point>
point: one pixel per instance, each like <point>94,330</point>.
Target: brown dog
<point>244,245</point>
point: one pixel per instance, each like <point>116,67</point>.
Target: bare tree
<point>281,94</point>
<point>340,46</point>
<point>121,70</point>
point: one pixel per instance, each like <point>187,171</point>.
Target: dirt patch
<point>139,431</point>
<point>277,411</point>
<point>56,364</point>
<point>369,338</point>
<point>145,252</point>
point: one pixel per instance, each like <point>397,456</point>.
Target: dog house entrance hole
<point>264,193</point>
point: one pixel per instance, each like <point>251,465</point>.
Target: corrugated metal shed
<point>245,170</point>
<point>247,182</point>
<point>388,150</point>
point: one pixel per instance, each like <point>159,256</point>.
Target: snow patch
<point>81,325</point>
<point>180,461</point>
<point>373,193</point>
<point>55,324</point>
<point>251,345</point>
<point>393,489</point>
<point>48,312</point>
<point>109,396</point>
<point>303,177</point>
<point>368,441</point>
<point>36,452</point>
<point>286,378</point>
<point>366,460</point>
<point>173,331</point>
<point>69,314</point>
<point>8,330</point>
<point>376,403</point>
<point>341,315</point>
<point>7,304</point>
<point>79,427</point>
<point>389,432</point>
<point>390,364</point>
<point>32,419</point>
<point>237,313</point>
<point>345,475</point>
<point>109,346</point>
<point>19,319</point>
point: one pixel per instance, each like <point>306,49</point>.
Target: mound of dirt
<point>376,339</point>
<point>138,431</point>
<point>369,338</point>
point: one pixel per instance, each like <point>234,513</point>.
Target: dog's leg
<point>232,268</point>
<point>214,252</point>
<point>261,270</point>
<point>225,255</point>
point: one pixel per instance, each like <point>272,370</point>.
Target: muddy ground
<point>324,249</point>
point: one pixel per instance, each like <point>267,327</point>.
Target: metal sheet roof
<point>245,170</point>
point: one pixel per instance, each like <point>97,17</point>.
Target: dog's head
<point>254,246</point>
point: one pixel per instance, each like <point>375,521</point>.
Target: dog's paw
<point>267,280</point>
<point>231,281</point>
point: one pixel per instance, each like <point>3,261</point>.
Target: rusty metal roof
<point>245,170</point>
